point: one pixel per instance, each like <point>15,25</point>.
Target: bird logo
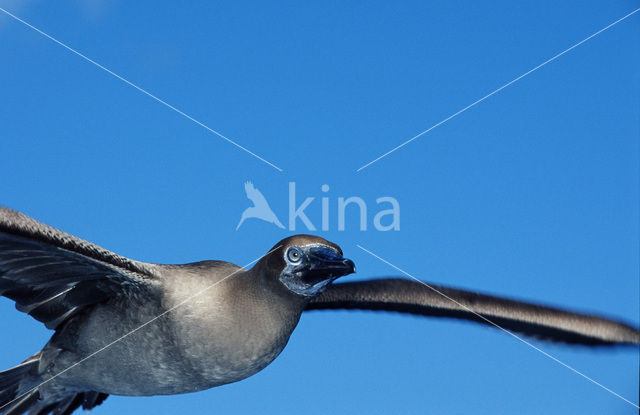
<point>260,208</point>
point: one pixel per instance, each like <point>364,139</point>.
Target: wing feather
<point>406,296</point>
<point>52,275</point>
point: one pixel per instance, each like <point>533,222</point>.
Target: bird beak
<point>327,262</point>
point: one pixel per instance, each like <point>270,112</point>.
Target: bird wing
<point>52,275</point>
<point>406,296</point>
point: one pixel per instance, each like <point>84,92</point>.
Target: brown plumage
<point>132,328</point>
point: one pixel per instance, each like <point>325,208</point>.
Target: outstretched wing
<point>52,275</point>
<point>406,296</point>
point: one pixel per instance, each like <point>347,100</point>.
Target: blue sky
<point>531,194</point>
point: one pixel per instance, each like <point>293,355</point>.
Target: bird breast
<point>228,331</point>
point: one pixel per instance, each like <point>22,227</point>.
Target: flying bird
<point>125,327</point>
<point>260,208</point>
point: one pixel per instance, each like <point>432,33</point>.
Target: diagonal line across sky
<point>398,147</point>
<point>144,91</point>
<point>487,320</point>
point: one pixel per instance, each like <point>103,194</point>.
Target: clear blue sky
<point>532,193</point>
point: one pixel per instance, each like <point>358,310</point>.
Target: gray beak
<point>328,263</point>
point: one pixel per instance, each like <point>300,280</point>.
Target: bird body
<point>131,328</point>
<point>185,350</point>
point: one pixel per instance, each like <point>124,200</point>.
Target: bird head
<point>306,264</point>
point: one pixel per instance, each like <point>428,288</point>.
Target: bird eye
<point>293,255</point>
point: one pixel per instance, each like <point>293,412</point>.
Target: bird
<point>132,328</point>
<point>260,208</point>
